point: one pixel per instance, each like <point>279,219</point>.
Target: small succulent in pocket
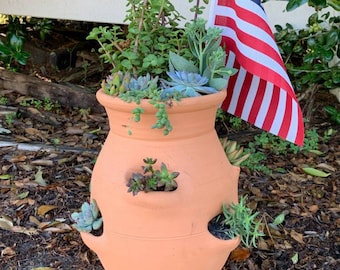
<point>234,152</point>
<point>237,220</point>
<point>152,179</point>
<point>88,219</point>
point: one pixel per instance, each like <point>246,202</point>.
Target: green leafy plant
<point>143,48</point>
<point>333,113</point>
<point>318,5</point>
<point>12,48</point>
<point>88,219</point>
<point>309,54</point>
<point>237,220</point>
<point>43,26</point>
<point>47,104</point>
<point>154,59</point>
<point>10,118</point>
<point>152,179</point>
<point>255,161</point>
<point>236,122</point>
<point>279,146</point>
<point>3,100</point>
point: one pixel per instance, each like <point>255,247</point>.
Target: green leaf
<point>317,4</point>
<point>332,38</point>
<point>218,83</point>
<point>16,42</point>
<point>181,64</point>
<point>317,152</point>
<point>23,195</point>
<point>327,55</point>
<point>334,4</point>
<point>293,4</point>
<point>315,172</point>
<point>5,176</point>
<point>97,223</point>
<point>295,258</point>
<point>279,219</point>
<point>39,178</point>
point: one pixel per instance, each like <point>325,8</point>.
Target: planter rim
<point>184,105</point>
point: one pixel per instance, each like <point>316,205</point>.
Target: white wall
<point>112,11</point>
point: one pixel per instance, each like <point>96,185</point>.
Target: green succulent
<point>118,83</point>
<point>208,57</point>
<point>151,179</point>
<point>88,219</point>
<point>234,152</point>
<point>186,84</point>
<point>240,220</point>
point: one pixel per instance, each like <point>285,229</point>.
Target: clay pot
<point>162,230</point>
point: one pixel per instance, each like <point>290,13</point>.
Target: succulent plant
<point>209,57</point>
<point>118,83</point>
<point>239,220</point>
<point>187,84</point>
<point>234,152</point>
<point>88,219</point>
<point>151,179</point>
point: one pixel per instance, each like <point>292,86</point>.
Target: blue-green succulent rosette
<point>186,84</point>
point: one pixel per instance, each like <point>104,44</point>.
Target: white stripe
<point>293,127</point>
<point>231,60</point>
<point>212,11</point>
<point>250,98</point>
<point>280,113</point>
<point>263,112</point>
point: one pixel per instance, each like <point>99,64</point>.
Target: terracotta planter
<point>162,230</point>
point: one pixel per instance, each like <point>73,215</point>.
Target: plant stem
<point>160,14</point>
<point>197,6</point>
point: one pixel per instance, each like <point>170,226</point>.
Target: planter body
<point>162,230</point>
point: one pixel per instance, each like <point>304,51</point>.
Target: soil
<point>47,153</point>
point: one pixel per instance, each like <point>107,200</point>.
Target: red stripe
<point>272,110</point>
<point>300,131</point>
<point>257,102</point>
<point>287,118</point>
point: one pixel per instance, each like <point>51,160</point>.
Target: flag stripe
<point>261,92</point>
<point>267,125</point>
<point>243,94</point>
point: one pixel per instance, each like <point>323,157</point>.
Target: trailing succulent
<point>88,219</point>
<point>132,89</point>
<point>152,179</point>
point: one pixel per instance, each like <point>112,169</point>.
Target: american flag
<point>261,92</point>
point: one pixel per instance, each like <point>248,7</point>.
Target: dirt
<point>39,189</point>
